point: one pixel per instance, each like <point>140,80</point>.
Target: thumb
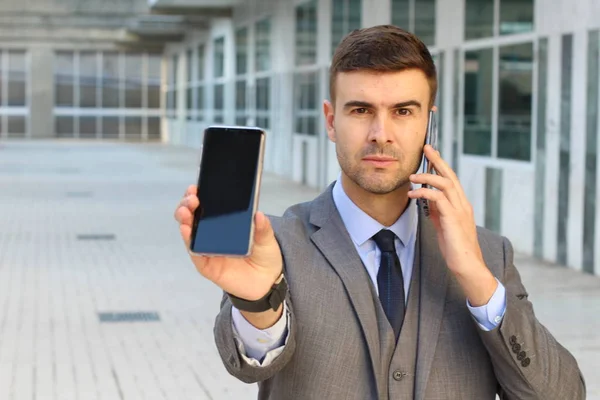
<point>263,231</point>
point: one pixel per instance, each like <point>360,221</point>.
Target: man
<point>383,302</point>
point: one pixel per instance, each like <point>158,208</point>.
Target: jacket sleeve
<point>528,361</point>
<point>229,350</point>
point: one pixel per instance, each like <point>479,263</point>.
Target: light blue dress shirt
<point>265,345</point>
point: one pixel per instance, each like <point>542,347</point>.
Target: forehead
<point>396,85</point>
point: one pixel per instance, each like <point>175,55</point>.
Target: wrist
<point>263,320</point>
<point>478,284</point>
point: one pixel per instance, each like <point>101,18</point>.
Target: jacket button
<point>525,362</point>
<point>516,348</point>
<point>521,356</point>
<point>513,339</point>
<point>398,375</point>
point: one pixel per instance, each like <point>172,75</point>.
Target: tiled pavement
<point>53,284</point>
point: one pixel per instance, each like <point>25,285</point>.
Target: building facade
<point>518,100</point>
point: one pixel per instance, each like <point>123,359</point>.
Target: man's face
<point>379,125</point>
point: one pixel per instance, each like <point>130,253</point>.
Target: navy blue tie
<point>390,281</point>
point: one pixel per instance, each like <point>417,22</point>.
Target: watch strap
<point>270,301</point>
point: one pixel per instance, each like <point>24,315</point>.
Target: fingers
<point>192,189</point>
<point>186,208</point>
<point>263,230</point>
<point>443,184</point>
<point>439,198</point>
<point>444,170</point>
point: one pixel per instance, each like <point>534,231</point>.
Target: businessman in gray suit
<point>360,295</point>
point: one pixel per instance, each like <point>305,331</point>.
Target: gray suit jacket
<point>335,347</point>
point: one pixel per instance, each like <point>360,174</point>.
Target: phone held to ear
<point>426,167</point>
<point>228,189</point>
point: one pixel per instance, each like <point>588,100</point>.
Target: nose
<point>379,130</point>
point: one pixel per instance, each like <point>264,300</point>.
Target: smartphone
<point>228,189</point>
<point>426,167</point>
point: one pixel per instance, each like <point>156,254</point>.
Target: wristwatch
<point>270,301</point>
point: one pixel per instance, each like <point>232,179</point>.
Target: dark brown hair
<point>382,48</point>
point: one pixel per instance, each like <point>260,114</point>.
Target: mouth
<point>379,161</point>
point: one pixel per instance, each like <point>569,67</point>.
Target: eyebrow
<point>358,103</point>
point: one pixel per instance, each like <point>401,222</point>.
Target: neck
<point>383,208</point>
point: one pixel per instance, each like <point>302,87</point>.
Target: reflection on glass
<point>263,46</point>
<point>189,62</point>
<point>516,16</point>
<point>218,102</point>
<point>110,80</point>
<point>133,81</point>
<point>133,128</point>
<point>514,116</point>
<point>477,137</point>
<point>306,33</point>
<point>346,16</point>
<point>64,126</point>
<point>241,51</point>
<point>64,72</point>
<point>591,145</point>
<point>16,126</point>
<point>424,25</point>
<point>479,19</point>
<point>154,81</point>
<point>110,127</point>
<point>16,78</point>
<point>189,100</point>
<point>263,102</point>
<point>401,14</point>
<point>305,94</point>
<point>200,100</point>
<point>87,127</point>
<point>201,60</point>
<point>540,148</point>
<point>240,95</point>
<point>154,128</point>
<point>88,76</point>
<point>219,60</point>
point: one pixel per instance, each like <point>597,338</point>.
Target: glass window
<point>16,78</point>
<point>424,25</point>
<point>64,126</point>
<point>87,127</point>
<point>154,67</point>
<point>189,100</point>
<point>591,158</point>
<point>515,102</point>
<point>479,19</point>
<point>345,17</point>
<point>2,83</point>
<point>516,16</point>
<point>110,127</point>
<point>240,95</point>
<point>219,61</point>
<point>306,33</point>
<point>241,51</point>
<point>200,101</point>
<point>263,45</point>
<point>477,137</point>
<point>263,102</point>
<point>133,81</point>
<point>64,72</point>
<point>16,126</point>
<point>200,70</point>
<point>401,14</point>
<point>154,128</point>
<point>110,80</point>
<point>88,75</point>
<point>189,62</point>
<point>219,102</point>
<point>133,128</point>
<point>305,95</point>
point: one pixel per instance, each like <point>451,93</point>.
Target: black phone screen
<point>226,190</point>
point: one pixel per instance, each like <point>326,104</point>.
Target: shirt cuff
<point>259,347</point>
<point>489,316</point>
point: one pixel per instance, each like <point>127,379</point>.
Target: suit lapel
<point>335,243</point>
<point>434,280</point>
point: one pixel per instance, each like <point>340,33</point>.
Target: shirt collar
<point>362,227</point>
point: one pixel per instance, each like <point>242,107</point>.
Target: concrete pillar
<point>41,84</point>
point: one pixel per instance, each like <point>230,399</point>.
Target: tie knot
<point>385,240</point>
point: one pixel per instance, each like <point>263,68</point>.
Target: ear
<point>329,112</point>
<point>434,109</point>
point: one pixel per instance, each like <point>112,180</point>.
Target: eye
<point>360,110</point>
<point>404,111</point>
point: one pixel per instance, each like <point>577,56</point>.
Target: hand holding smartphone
<point>426,167</point>
<point>231,243</point>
